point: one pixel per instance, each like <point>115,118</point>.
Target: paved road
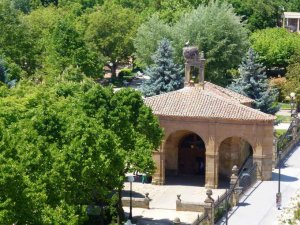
<point>258,207</point>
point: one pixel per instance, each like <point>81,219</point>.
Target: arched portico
<point>232,151</point>
<point>184,153</point>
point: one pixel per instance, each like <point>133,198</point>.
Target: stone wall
<point>213,132</point>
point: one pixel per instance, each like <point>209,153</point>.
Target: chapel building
<point>208,129</point>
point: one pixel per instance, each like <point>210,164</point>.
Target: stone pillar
<point>158,177</point>
<point>209,207</point>
<point>201,69</point>
<point>211,179</point>
<point>295,127</point>
<point>176,221</point>
<point>211,161</point>
<point>187,77</point>
<point>234,185</point>
<point>264,167</point>
<point>298,25</point>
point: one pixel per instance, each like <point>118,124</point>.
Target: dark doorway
<point>191,155</point>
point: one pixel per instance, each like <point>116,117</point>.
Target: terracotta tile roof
<point>197,103</point>
<point>226,93</point>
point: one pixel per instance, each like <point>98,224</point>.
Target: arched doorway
<point>233,151</point>
<point>191,155</point>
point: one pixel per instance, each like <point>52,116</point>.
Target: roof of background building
<point>226,93</point>
<point>291,15</point>
<point>210,102</point>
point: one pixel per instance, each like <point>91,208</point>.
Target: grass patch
<point>284,119</point>
<point>285,106</point>
<point>279,133</point>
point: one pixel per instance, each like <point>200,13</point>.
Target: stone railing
<point>213,209</point>
<point>288,141</point>
<point>189,206</point>
<point>137,202</point>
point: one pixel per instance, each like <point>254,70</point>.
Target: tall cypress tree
<point>165,75</point>
<point>254,84</point>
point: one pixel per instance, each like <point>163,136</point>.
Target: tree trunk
<point>120,210</point>
<point>114,70</point>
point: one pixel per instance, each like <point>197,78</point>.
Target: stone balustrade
<point>137,202</point>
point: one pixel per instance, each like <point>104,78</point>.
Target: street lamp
<point>278,195</point>
<point>130,179</point>
<point>292,95</point>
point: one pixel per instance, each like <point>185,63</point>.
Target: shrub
<point>279,83</point>
<point>125,73</point>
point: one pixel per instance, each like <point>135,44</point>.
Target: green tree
<point>292,78</point>
<point>148,36</point>
<point>275,46</point>
<point>15,43</point>
<point>165,75</point>
<point>67,145</point>
<point>110,31</point>
<point>254,84</point>
<point>3,75</point>
<point>66,47</point>
<point>214,29</point>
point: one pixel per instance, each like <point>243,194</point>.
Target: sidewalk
<point>258,206</point>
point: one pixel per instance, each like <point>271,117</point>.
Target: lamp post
<point>130,179</point>
<point>278,195</point>
<point>292,95</point>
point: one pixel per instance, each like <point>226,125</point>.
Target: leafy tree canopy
<point>214,28</point>
<point>275,46</point>
<point>110,31</point>
<point>293,78</point>
<point>67,145</point>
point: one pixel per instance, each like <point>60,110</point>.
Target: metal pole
<point>278,195</point>
<point>279,167</point>
<point>226,207</point>
<point>130,206</point>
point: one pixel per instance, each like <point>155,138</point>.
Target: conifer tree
<point>165,75</point>
<point>254,84</point>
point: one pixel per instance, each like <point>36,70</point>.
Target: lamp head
<point>292,95</point>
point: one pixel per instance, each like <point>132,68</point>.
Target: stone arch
<point>245,138</point>
<point>233,150</point>
<point>173,147</point>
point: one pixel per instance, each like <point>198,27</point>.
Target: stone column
<point>295,126</point>
<point>234,185</point>
<point>187,76</point>
<point>209,207</point>
<point>158,177</point>
<point>210,171</point>
<point>298,25</point>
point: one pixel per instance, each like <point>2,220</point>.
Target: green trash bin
<point>144,178</point>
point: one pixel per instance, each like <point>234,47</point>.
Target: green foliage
<point>285,106</point>
<point>280,133</point>
<point>165,75</point>
<point>148,36</point>
<point>214,28</point>
<point>3,75</point>
<point>254,84</point>
<point>293,79</point>
<point>125,73</point>
<point>66,145</point>
<point>275,46</point>
<point>110,30</point>
<point>258,14</point>
<point>284,119</point>
<point>15,42</point>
